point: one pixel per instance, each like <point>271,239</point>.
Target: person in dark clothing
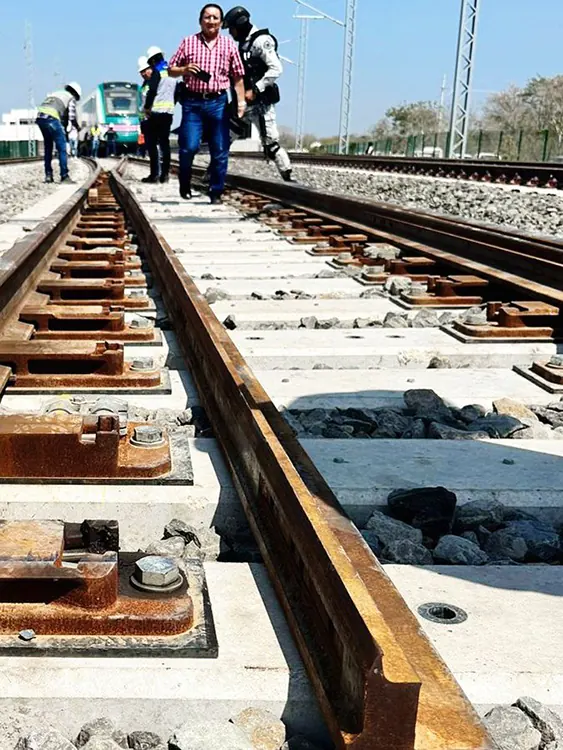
<point>111,142</point>
<point>159,110</point>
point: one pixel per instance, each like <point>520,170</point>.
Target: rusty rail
<point>538,174</point>
<point>379,681</point>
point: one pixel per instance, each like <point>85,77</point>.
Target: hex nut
<point>147,435</point>
<point>556,361</point>
<point>141,322</point>
<point>143,365</point>
<point>156,571</point>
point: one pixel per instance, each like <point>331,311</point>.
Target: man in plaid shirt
<point>210,64</point>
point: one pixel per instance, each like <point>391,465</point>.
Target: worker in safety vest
<point>262,67</point>
<point>53,117</point>
<point>96,134</point>
<point>159,109</point>
<point>145,72</point>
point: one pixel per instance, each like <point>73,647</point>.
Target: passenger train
<point>114,103</point>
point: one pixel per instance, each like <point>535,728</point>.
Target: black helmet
<point>238,17</point>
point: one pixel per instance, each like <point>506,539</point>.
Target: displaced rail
<point>532,174</point>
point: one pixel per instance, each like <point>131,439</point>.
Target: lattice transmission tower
<point>461,100</point>
<point>347,75</point>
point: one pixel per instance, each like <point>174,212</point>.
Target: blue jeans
<point>53,134</point>
<point>213,115</point>
<point>95,147</point>
<point>111,148</point>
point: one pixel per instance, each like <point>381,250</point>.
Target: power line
<point>349,26</point>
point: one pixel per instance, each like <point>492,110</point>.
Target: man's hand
<point>249,96</point>
<point>241,110</point>
<point>191,69</point>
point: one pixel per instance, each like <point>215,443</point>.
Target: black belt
<point>201,97</point>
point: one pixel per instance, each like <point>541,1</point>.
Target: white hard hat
<point>143,63</point>
<point>152,51</point>
<point>76,87</point>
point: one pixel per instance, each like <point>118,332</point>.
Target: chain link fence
<point>18,149</point>
<point>521,145</point>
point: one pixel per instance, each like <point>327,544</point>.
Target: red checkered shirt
<point>223,62</point>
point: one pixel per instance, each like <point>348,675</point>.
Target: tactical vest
<point>164,100</point>
<point>56,105</point>
<point>254,67</point>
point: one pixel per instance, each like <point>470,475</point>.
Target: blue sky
<point>404,47</point>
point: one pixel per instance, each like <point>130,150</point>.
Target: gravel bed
<point>536,212</point>
<point>22,185</point>
<point>251,729</point>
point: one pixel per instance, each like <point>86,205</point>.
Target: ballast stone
<point>456,550</point>
<point>103,728</point>
<point>546,721</point>
<point>210,735</point>
<point>388,530</point>
<point>48,740</point>
<point>512,729</point>
<point>264,730</point>
<point>406,552</point>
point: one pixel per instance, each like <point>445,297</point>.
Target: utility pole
<point>302,78</point>
<point>349,26</point>
<point>459,122</point>
<point>28,50</point>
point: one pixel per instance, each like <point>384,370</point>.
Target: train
<point>115,103</point>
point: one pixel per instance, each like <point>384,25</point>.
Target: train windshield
<point>120,99</point>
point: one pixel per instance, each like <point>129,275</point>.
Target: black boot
<point>286,176</point>
<point>151,179</point>
<point>164,178</point>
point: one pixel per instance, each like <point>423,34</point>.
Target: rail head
<point>378,679</point>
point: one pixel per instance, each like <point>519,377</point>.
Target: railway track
<point>532,174</point>
<point>77,300</point>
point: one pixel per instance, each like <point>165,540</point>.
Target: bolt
<point>556,361</point>
<point>147,435</point>
<point>135,293</point>
<point>27,635</point>
<point>134,273</point>
<point>344,256</point>
<point>322,246</point>
<point>156,571</point>
<point>143,365</point>
<point>418,290</point>
<point>140,322</point>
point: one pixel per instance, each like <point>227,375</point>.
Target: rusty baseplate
<point>66,445</point>
<point>379,682</point>
<point>515,321</point>
<point>86,322</point>
<point>92,291</point>
<point>46,364</point>
<point>51,586</point>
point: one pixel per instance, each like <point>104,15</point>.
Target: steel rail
<point>20,160</point>
<point>532,265</point>
<point>27,260</point>
<point>478,169</point>
<point>379,681</point>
